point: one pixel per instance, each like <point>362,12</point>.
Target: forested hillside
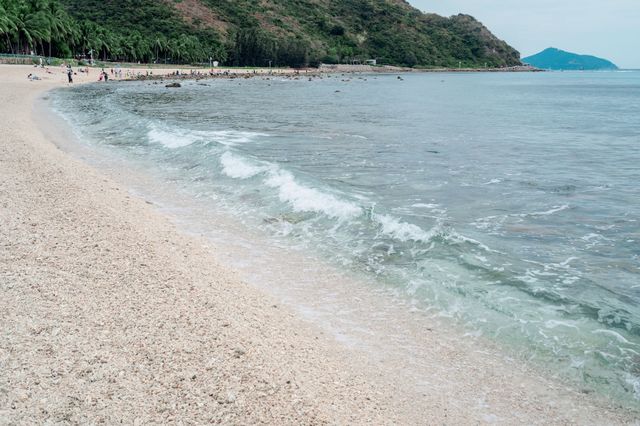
<point>249,32</point>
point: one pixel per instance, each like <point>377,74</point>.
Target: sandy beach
<point>112,314</point>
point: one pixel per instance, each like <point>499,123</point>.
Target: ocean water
<point>509,203</point>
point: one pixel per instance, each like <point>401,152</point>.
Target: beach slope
<point>110,314</point>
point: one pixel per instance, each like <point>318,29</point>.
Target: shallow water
<point>508,202</point>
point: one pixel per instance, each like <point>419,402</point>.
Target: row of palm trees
<point>44,27</point>
<point>32,24</point>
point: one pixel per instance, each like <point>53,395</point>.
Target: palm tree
<point>37,24</point>
<point>85,32</point>
<point>58,23</point>
<point>7,23</point>
<point>22,30</point>
<point>159,44</point>
<point>108,40</point>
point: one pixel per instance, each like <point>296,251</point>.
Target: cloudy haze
<point>605,28</point>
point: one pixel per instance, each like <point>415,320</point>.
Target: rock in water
<point>173,85</point>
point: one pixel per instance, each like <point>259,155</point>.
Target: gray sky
<point>605,28</point>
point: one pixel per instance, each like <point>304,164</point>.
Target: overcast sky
<point>605,28</point>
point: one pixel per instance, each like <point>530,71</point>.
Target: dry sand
<point>110,314</point>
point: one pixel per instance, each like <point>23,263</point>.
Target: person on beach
<point>69,73</point>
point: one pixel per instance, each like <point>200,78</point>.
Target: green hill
<point>556,59</point>
<point>250,32</point>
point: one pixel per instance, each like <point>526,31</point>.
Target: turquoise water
<point>509,202</point>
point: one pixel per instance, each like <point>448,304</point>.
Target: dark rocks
<point>176,84</point>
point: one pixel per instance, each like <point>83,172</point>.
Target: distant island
<point>556,59</point>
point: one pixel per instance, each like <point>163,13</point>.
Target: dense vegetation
<point>249,32</point>
<point>148,33</point>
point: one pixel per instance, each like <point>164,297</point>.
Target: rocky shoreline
<point>310,73</point>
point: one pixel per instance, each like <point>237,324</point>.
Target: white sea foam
<point>171,139</point>
<point>358,136</point>
<point>628,351</point>
<point>605,227</point>
<point>591,236</point>
<point>544,273</point>
<point>492,182</point>
<point>403,231</point>
<point>593,240</point>
<point>496,221</point>
<point>570,280</point>
<point>229,137</point>
<point>425,205</point>
<point>303,198</point>
<point>527,278</point>
<point>555,323</point>
<point>565,264</point>
<point>551,211</point>
<point>238,168</point>
<point>613,334</point>
<point>332,136</point>
<point>634,381</point>
<point>459,238</point>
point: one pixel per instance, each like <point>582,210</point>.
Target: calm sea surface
<point>509,202</point>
